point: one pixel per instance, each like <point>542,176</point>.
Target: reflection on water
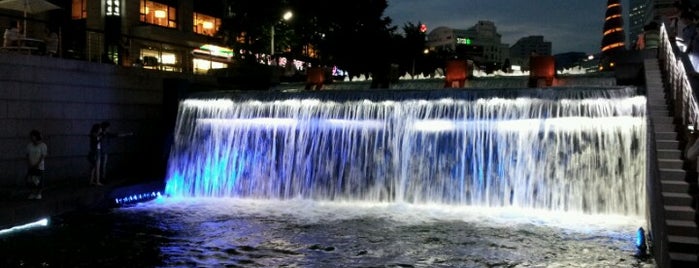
<point>303,233</point>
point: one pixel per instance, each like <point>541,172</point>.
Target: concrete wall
<point>62,99</point>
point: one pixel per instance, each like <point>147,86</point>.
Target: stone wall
<point>63,99</point>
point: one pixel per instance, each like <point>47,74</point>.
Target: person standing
<point>105,146</point>
<point>93,155</point>
<point>36,153</point>
<point>12,35</point>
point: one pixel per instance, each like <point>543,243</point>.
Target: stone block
<point>3,109</point>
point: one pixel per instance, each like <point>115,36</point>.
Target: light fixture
<point>288,15</point>
<point>208,25</point>
<point>160,14</point>
<point>135,198</point>
<point>39,223</point>
<point>641,242</point>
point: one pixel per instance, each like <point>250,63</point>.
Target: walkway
<point>16,209</point>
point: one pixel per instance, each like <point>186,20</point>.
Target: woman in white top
<point>36,153</point>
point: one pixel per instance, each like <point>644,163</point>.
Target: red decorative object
<point>541,67</point>
<point>456,74</point>
<point>315,77</point>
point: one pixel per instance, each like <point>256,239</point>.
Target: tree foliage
<point>353,35</point>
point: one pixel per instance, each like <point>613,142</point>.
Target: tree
<point>247,26</point>
<point>354,35</point>
<point>410,49</point>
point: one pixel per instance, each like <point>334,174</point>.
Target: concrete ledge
<point>16,209</point>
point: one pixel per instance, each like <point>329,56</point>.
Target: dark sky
<point>571,25</point>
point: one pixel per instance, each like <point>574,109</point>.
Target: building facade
<point>480,43</point>
<point>524,47</point>
<point>640,14</point>
<point>168,35</point>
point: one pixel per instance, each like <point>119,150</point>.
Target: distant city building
<point>570,59</point>
<point>640,14</point>
<point>524,47</point>
<point>480,43</point>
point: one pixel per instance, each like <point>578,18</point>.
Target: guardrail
<point>674,65</point>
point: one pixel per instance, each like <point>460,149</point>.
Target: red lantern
<point>456,73</point>
<point>541,67</point>
<point>315,77</point>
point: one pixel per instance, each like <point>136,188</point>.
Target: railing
<point>674,65</point>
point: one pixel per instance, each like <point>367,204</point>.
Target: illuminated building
<point>523,48</point>
<point>481,43</point>
<point>640,14</point>
<point>168,35</point>
<point>613,39</point>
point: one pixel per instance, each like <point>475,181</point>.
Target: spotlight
<point>137,198</point>
<point>39,223</point>
<point>641,243</point>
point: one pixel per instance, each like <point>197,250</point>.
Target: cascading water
<point>561,150</point>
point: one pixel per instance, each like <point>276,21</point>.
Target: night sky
<point>571,25</point>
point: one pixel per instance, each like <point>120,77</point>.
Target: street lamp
<point>286,17</point>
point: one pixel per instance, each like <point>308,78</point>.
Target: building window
<point>158,14</point>
<point>159,60</point>
<point>206,25</point>
<point>113,8</point>
<point>78,10</point>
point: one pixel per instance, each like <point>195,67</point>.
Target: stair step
<point>669,154</point>
<point>677,199</point>
<point>683,259</point>
<point>657,101</point>
<point>670,163</point>
<point>675,186</point>
<point>671,135</point>
<point>658,107</point>
<point>683,213</point>
<point>664,127</point>
<point>683,244</point>
<point>683,228</point>
<point>667,144</point>
<point>662,119</point>
<point>668,174</point>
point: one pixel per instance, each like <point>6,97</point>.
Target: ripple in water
<point>303,233</point>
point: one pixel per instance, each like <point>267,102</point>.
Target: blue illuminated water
<point>526,178</point>
<point>555,150</point>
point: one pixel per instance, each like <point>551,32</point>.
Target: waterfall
<point>578,150</point>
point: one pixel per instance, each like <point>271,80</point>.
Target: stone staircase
<point>678,185</point>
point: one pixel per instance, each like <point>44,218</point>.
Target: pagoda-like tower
<point>613,39</point>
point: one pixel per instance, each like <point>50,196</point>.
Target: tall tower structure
<point>613,39</point>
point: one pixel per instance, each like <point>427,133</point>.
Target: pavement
<point>69,196</point>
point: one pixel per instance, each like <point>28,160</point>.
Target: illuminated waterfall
<point>555,151</point>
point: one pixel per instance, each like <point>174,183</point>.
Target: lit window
<point>160,60</point>
<point>206,25</point>
<point>113,8</point>
<point>78,10</point>
<point>158,14</point>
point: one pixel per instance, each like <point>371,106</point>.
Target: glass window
<point>158,14</point>
<point>160,60</point>
<point>206,25</point>
<point>78,10</point>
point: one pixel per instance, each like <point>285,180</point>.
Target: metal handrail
<point>674,65</point>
